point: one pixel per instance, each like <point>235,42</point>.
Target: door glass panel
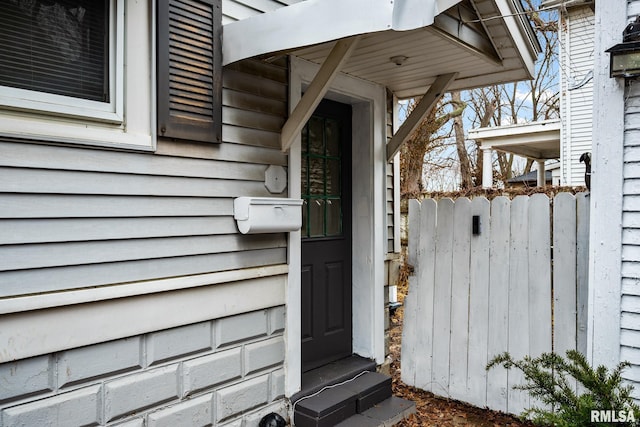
<point>316,176</point>
<point>305,140</point>
<point>334,217</point>
<point>316,135</point>
<point>321,178</point>
<point>332,137</point>
<point>316,218</point>
<point>333,177</point>
<point>305,176</point>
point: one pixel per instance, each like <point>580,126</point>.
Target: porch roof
<point>403,45</point>
<point>537,140</point>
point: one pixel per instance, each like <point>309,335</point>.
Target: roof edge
<point>314,21</point>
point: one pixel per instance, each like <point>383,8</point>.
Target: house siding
<point>190,375</point>
<point>390,180</point>
<point>630,299</point>
<point>77,217</point>
<point>76,220</point>
<point>576,34</point>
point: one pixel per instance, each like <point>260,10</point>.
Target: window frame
<point>112,111</point>
<point>127,121</point>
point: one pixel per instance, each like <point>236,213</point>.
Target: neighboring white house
<point>614,307</point>
<point>576,40</point>
<point>128,294</point>
<point>570,137</point>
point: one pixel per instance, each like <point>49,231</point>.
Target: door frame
<point>368,101</point>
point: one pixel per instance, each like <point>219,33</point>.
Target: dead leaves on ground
<point>436,411</point>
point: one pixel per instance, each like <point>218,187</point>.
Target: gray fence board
<point>539,275</point>
<point>479,309</point>
<point>410,325</point>
<point>582,269</point>
<point>459,342</point>
<point>474,296</point>
<point>442,292</point>
<point>425,295</point>
<point>518,317</point>
<point>497,379</point>
<point>564,272</point>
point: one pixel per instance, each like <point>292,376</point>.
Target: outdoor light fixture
<point>398,60</point>
<point>625,56</point>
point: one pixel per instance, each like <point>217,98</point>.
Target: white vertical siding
<point>630,301</point>
<point>576,62</point>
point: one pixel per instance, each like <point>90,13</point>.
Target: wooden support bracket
<point>316,91</point>
<point>424,107</point>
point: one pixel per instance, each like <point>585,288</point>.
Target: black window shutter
<point>190,69</point>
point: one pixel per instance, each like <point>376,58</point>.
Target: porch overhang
<point>403,45</point>
<point>537,140</point>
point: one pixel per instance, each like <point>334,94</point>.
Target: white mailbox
<point>267,214</point>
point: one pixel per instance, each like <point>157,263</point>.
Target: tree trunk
<point>466,175</point>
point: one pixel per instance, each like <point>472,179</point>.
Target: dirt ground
<point>436,411</point>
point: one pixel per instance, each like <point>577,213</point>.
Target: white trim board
<point>102,293</point>
<point>45,331</point>
<point>605,238</point>
<point>369,200</point>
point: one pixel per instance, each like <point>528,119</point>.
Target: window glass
<point>58,47</point>
<point>321,178</point>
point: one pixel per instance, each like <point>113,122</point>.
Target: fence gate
<point>515,282</point>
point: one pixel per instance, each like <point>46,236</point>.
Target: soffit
<point>471,38</point>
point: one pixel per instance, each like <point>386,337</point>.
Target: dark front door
<point>326,235</point>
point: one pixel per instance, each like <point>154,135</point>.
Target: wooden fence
<point>516,283</point>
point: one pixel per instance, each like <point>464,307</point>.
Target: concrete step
<point>332,406</point>
<point>333,373</point>
<point>387,413</point>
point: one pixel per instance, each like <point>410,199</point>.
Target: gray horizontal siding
<point>75,217</point>
<point>389,178</point>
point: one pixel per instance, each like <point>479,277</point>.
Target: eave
<point>483,41</point>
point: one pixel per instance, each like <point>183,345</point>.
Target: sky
<point>440,173</point>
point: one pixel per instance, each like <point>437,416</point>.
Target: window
<point>56,47</point>
<point>64,65</point>
<point>60,56</point>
